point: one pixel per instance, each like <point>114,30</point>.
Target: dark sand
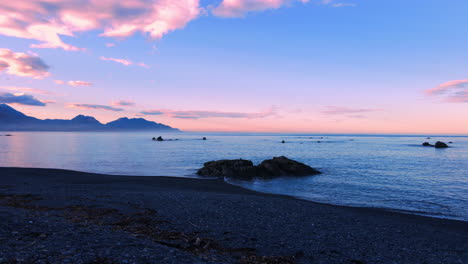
<point>59,216</point>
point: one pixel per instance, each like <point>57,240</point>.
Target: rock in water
<point>160,139</point>
<point>245,170</point>
<point>426,144</point>
<point>440,144</point>
<point>282,166</point>
<point>204,138</point>
<point>242,169</point>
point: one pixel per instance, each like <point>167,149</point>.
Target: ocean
<point>384,171</point>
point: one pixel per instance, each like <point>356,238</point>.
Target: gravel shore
<point>60,216</point>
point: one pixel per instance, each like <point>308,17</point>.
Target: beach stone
<point>440,144</point>
<point>426,144</point>
<point>245,169</point>
<point>159,139</point>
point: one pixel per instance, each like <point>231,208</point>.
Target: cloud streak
<point>95,107</point>
<point>47,20</point>
<point>455,91</point>
<point>195,114</point>
<point>350,112</point>
<point>121,61</point>
<point>447,86</point>
<point>239,8</point>
<point>22,64</point>
<point>123,103</point>
<point>459,97</point>
<point>74,83</point>
<point>25,90</point>
<point>22,99</point>
<point>124,62</point>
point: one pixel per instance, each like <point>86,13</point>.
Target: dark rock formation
<point>283,141</point>
<point>282,166</point>
<point>204,138</point>
<point>241,169</point>
<point>159,139</point>
<point>245,170</point>
<point>440,144</point>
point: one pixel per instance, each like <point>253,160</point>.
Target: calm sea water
<point>393,172</point>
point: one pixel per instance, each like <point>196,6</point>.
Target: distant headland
<point>13,120</point>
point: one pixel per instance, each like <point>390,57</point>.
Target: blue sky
<point>301,67</point>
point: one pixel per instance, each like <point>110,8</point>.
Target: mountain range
<point>13,120</point>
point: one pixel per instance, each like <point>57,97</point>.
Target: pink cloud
<point>74,83</point>
<point>343,5</point>
<point>123,103</point>
<point>455,91</point>
<point>95,107</point>
<point>195,114</point>
<point>22,64</point>
<point>121,61</point>
<point>79,83</point>
<point>238,8</point>
<point>46,20</point>
<point>459,97</point>
<point>48,101</point>
<point>141,64</point>
<point>110,45</point>
<point>125,62</point>
<point>25,89</point>
<point>350,112</point>
<point>447,86</point>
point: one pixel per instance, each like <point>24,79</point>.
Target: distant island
<point>13,120</point>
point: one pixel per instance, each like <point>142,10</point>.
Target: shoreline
<point>224,188</point>
<point>226,222</point>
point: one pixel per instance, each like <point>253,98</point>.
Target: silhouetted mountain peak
<point>6,110</point>
<point>136,123</point>
<point>85,120</point>
<point>10,115</point>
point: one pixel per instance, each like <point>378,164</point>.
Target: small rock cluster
<point>438,144</point>
<point>246,170</point>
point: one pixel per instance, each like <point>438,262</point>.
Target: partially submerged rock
<point>282,166</point>
<point>245,170</point>
<point>242,169</point>
<point>440,144</point>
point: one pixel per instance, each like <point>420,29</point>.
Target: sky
<point>295,66</point>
